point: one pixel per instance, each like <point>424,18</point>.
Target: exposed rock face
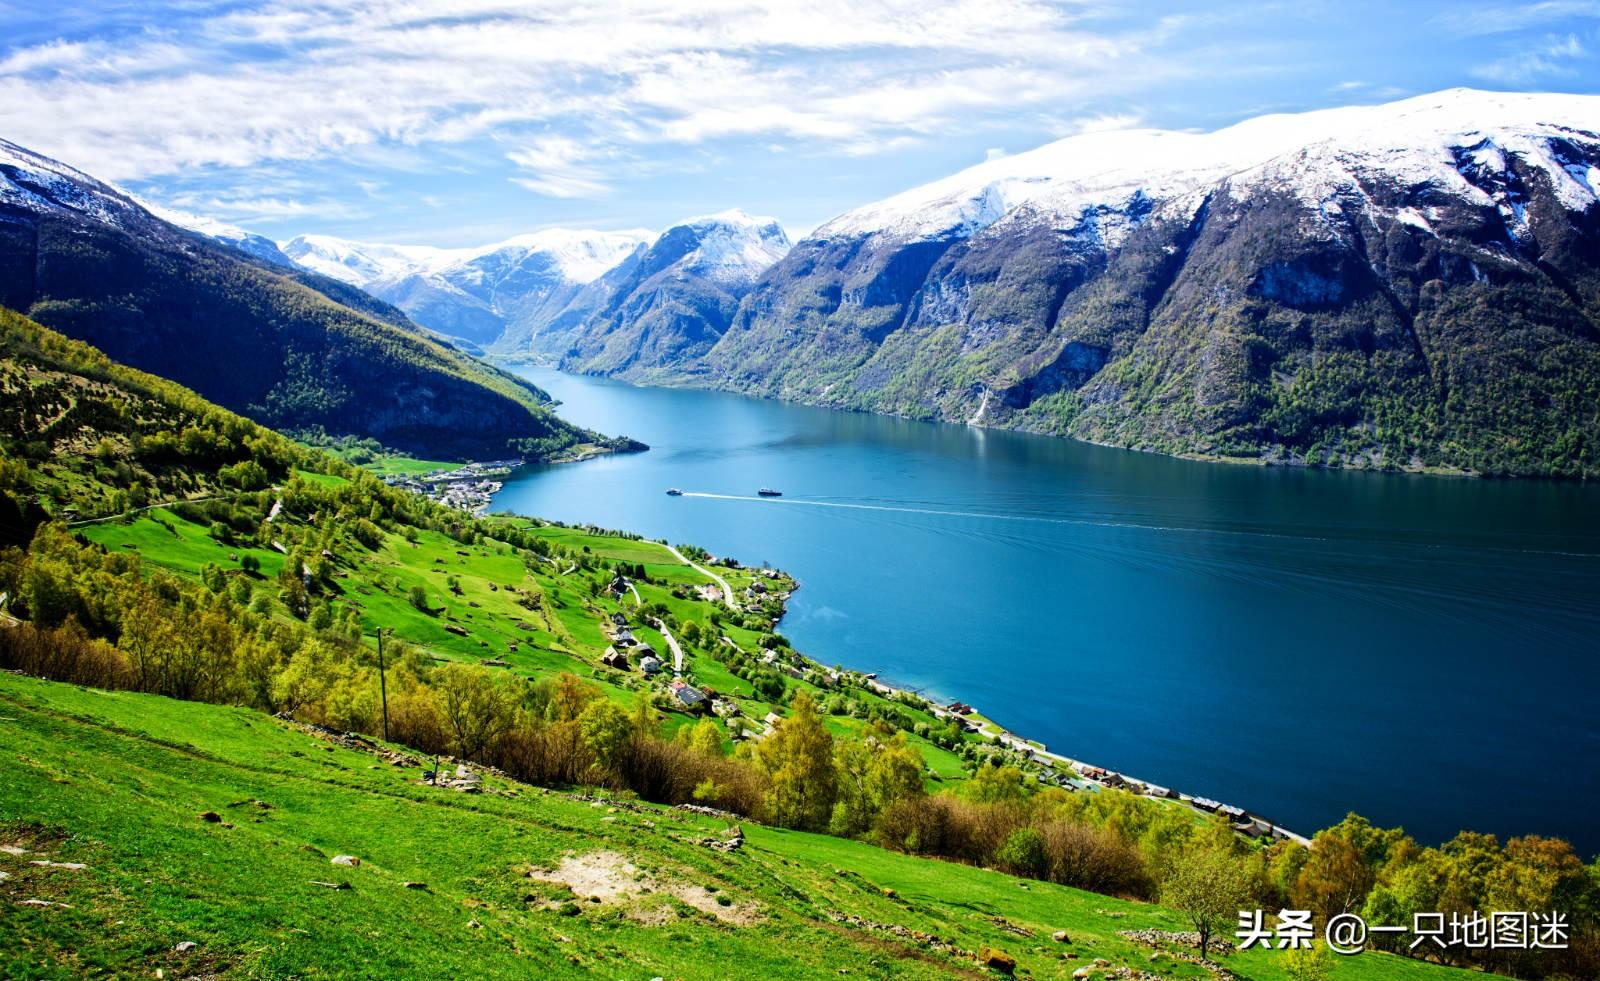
<point>665,307</point>
<point>1411,284</point>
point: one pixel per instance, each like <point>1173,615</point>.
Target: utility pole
<point>383,684</point>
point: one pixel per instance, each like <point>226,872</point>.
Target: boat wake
<point>1102,523</point>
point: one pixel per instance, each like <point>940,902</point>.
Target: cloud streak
<point>302,80</point>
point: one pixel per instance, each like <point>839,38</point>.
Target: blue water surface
<point>1422,650</point>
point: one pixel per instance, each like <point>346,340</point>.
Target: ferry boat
<point>674,492</point>
<point>769,492</point>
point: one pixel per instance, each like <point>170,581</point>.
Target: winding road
<point>727,591</point>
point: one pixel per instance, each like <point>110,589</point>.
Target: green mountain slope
<point>286,348</point>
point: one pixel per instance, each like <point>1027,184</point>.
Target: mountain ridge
<point>286,346</point>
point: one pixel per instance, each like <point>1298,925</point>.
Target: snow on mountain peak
<point>62,186</point>
<point>581,255</point>
<point>1074,176</point>
<point>358,263</point>
<point>735,247</point>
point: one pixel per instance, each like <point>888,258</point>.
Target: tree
<point>1209,887</point>
<point>705,738</point>
<point>798,757</point>
<point>1023,853</point>
<point>993,784</point>
<point>1308,964</point>
<point>606,729</point>
<point>476,705</point>
<point>1343,866</point>
<point>418,597</point>
<point>871,775</point>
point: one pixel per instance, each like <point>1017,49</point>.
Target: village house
<point>692,698</point>
<point>615,659</point>
<point>649,665</point>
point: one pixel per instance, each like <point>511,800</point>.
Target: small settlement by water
<point>468,488</point>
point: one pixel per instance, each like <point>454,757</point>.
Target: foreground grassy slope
<point>117,781</point>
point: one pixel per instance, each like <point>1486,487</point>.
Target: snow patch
<point>1315,155</point>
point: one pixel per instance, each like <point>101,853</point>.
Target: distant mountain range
<point>243,326</point>
<point>1412,285</point>
<point>599,301</point>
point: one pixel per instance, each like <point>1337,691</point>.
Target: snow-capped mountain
<point>665,306</point>
<point>358,263</point>
<point>33,182</point>
<point>232,236</point>
<point>1412,141</point>
<point>543,293</point>
<point>1201,292</point>
<point>475,294</point>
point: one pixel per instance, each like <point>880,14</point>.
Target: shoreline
<point>1267,459</point>
<point>1037,753</point>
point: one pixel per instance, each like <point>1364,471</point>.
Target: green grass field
<point>562,633</point>
<point>118,781</point>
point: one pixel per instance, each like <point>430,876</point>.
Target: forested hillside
<point>287,348</point>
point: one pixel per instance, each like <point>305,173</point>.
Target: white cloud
<point>1548,57</point>
<point>560,168</point>
<point>1106,121</point>
<point>1506,18</point>
<point>301,80</point>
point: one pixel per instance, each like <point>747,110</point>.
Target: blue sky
<point>460,123</point>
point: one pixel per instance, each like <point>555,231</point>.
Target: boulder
<point>997,959</point>
<point>210,817</point>
<point>346,860</point>
<point>184,947</point>
<point>1060,937</point>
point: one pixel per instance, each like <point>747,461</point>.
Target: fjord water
<point>1422,650</point>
